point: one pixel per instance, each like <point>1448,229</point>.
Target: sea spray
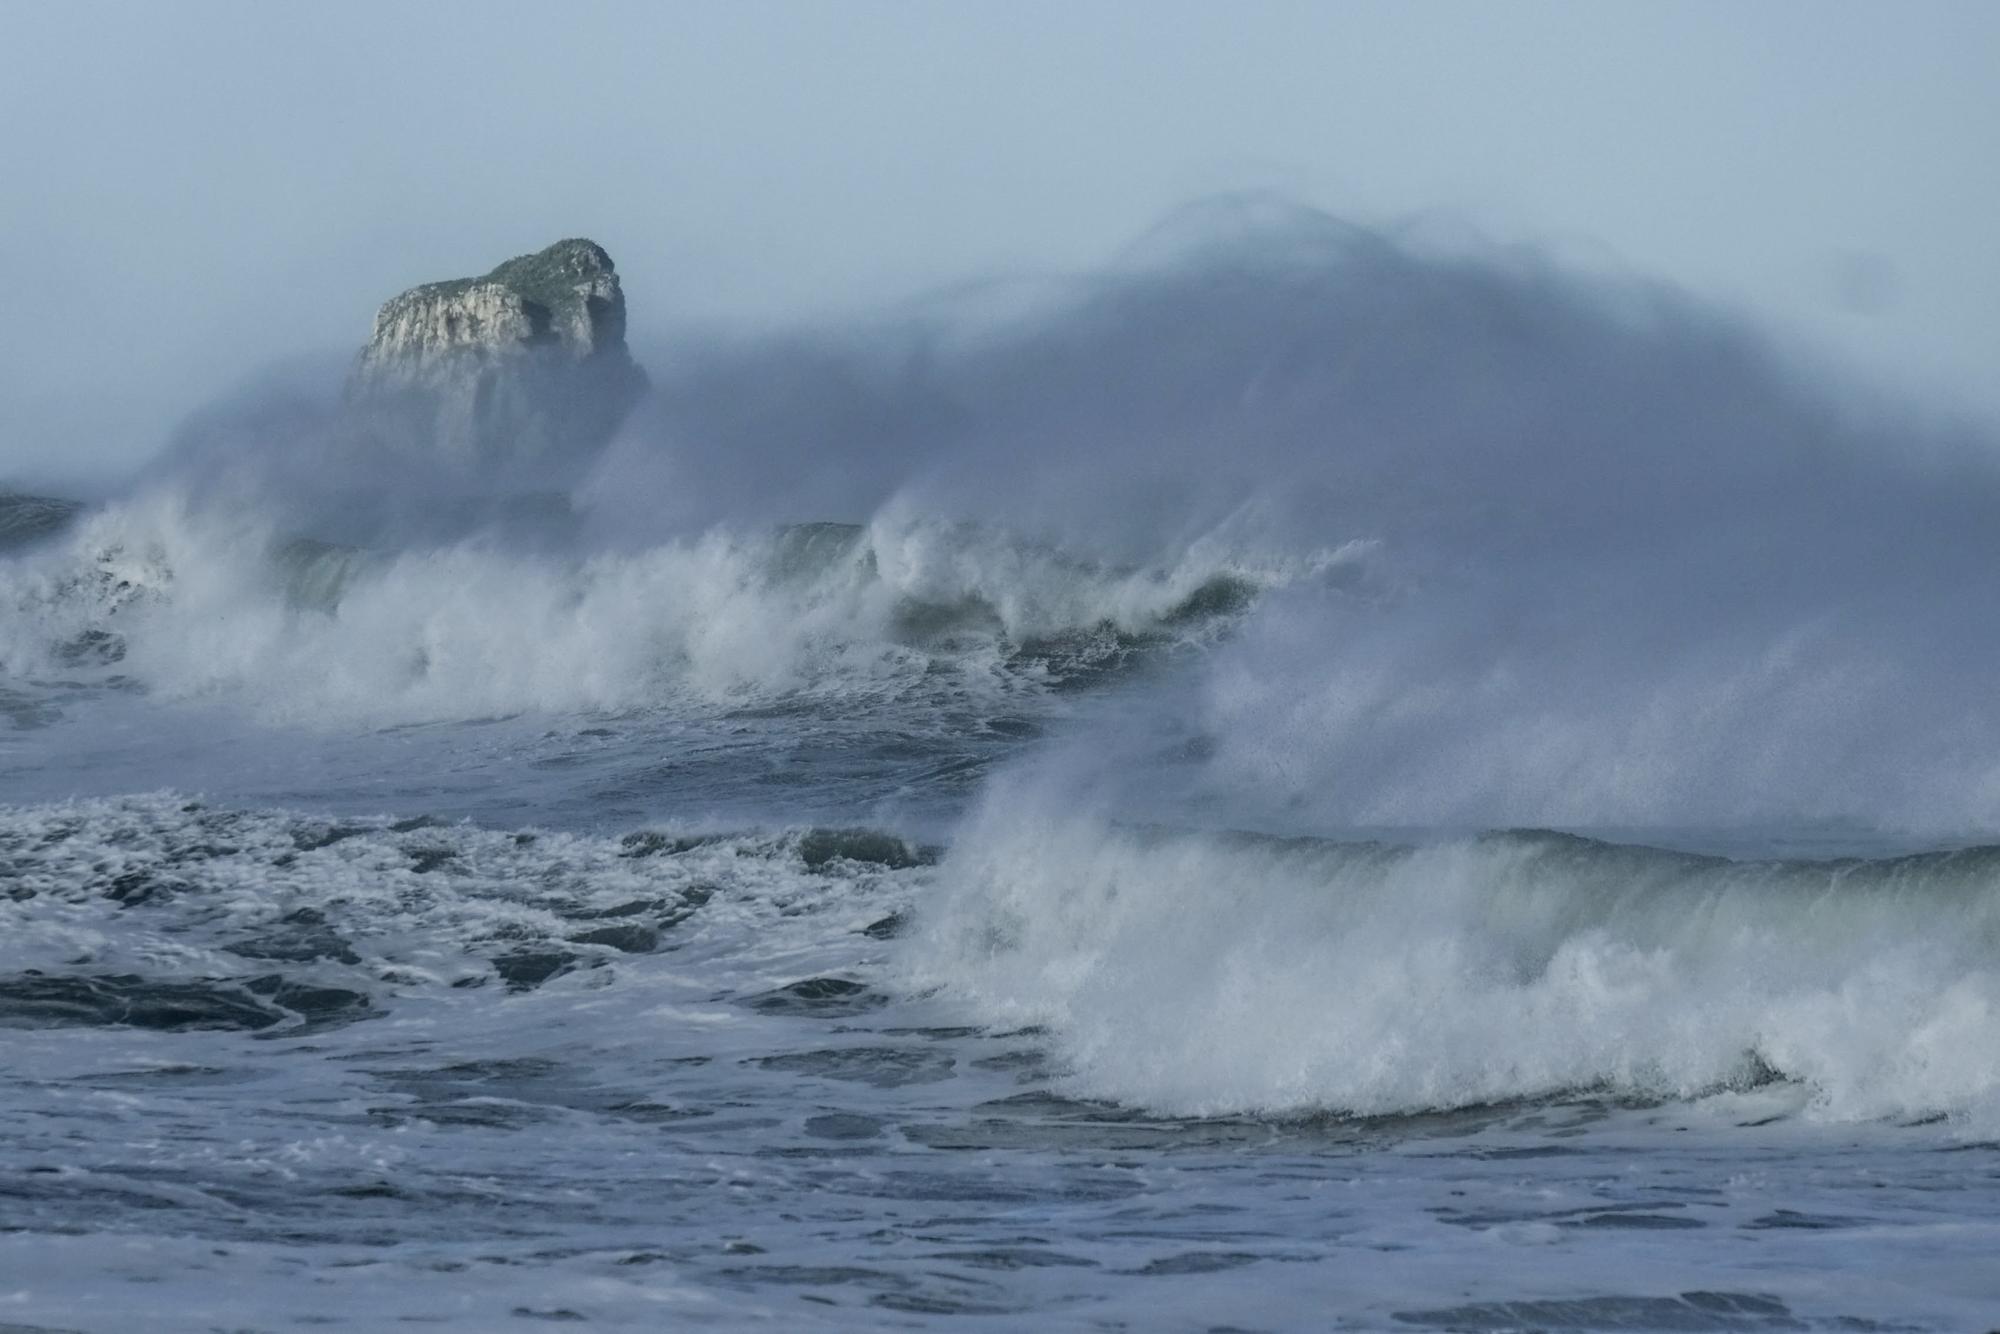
<point>187,602</point>
<point>544,914</point>
<point>1214,973</point>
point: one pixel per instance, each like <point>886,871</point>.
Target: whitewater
<point>1306,779</point>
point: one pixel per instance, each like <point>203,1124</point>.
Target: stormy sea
<point>1307,779</point>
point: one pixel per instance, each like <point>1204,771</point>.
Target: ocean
<point>1300,782</point>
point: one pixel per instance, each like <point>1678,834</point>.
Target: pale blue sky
<point>197,187</point>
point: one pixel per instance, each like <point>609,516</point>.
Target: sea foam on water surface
<point>185,602</point>
<point>1303,531</point>
<point>1211,973</point>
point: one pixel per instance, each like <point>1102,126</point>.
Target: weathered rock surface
<point>525,365</point>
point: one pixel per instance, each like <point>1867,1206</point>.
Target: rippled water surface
<point>267,1069</point>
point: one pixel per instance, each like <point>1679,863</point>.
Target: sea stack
<point>525,367</point>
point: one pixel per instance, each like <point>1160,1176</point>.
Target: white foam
<point>1206,973</point>
<point>200,608</point>
<point>420,904</point>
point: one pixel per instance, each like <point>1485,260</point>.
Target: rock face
<point>524,367</point>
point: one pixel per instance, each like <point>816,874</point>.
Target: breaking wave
<point>183,603</point>
<point>1399,539</point>
<point>1212,973</point>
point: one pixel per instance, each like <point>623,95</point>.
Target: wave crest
<point>186,603</point>
<point>1209,973</point>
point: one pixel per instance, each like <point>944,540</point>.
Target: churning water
<point>1034,815</point>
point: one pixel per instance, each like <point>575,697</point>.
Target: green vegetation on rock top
<point>548,277</point>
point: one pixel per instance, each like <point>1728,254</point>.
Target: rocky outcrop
<point>525,366</point>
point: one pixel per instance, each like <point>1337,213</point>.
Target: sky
<point>198,189</point>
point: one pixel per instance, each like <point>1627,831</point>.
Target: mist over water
<point>1113,724</point>
<point>1582,553</point>
<point>1514,546</point>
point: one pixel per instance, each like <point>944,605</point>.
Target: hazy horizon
<point>215,187</point>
